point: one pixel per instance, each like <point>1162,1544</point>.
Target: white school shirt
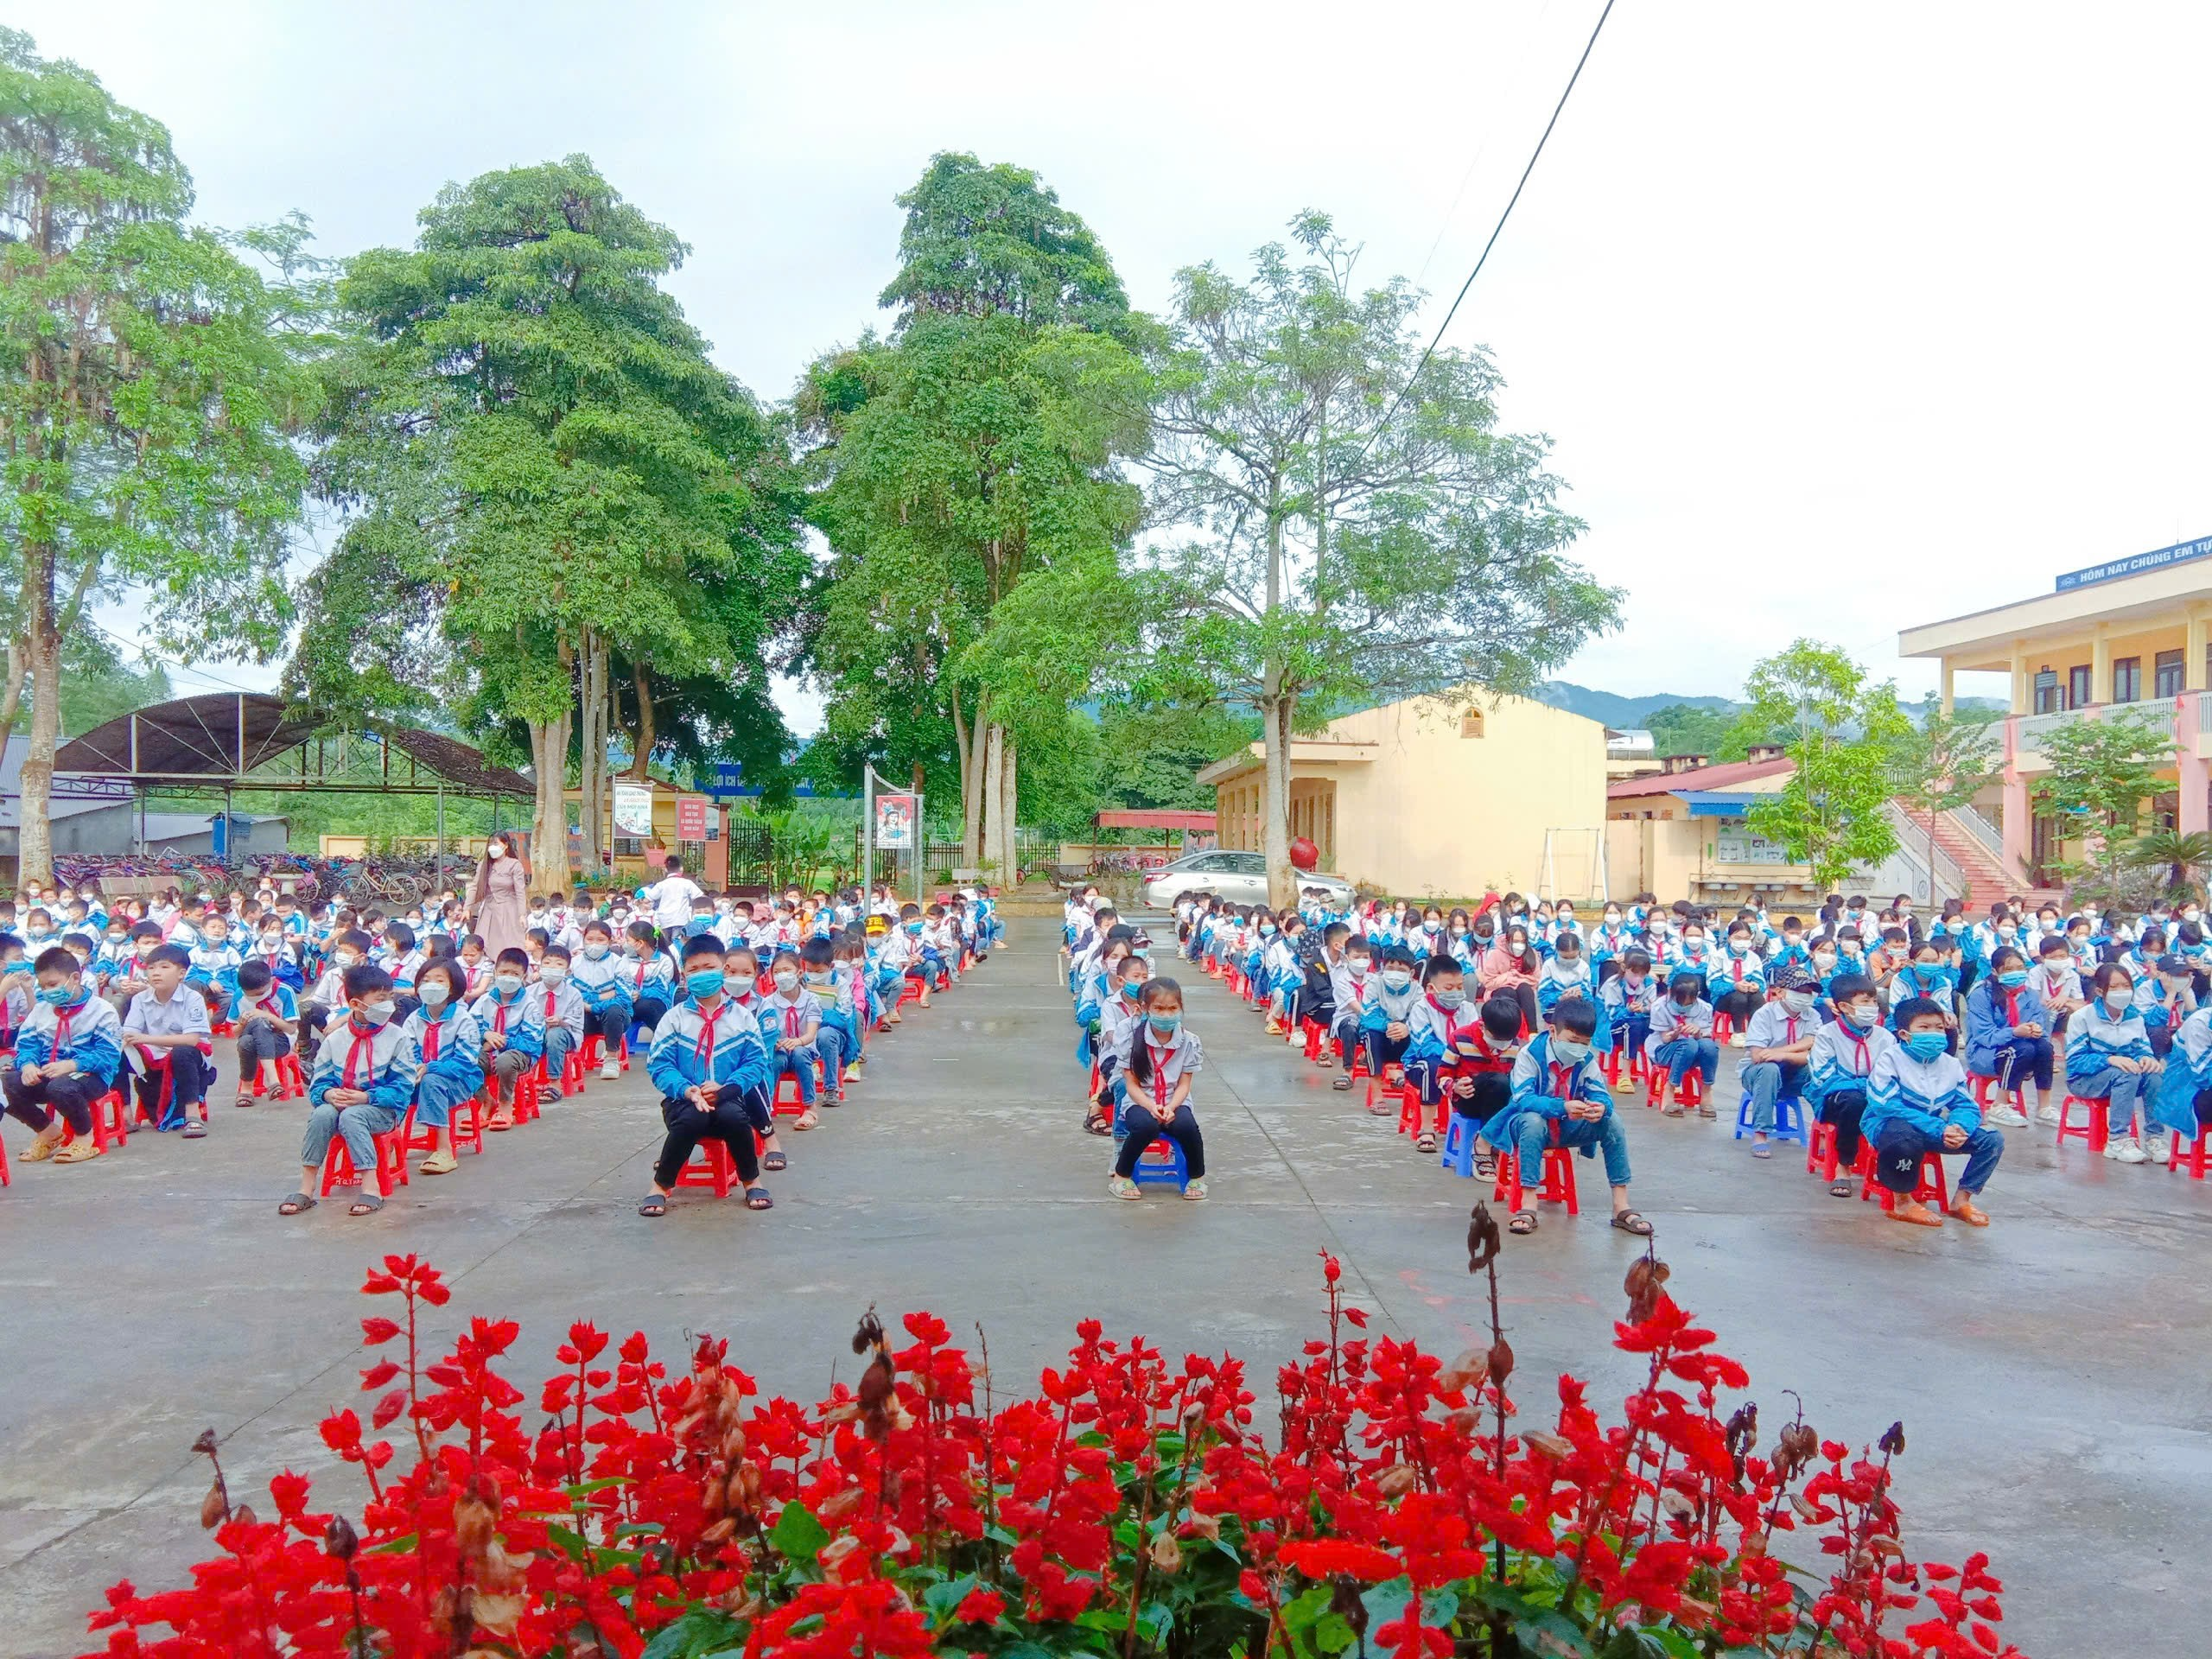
<point>673,896</point>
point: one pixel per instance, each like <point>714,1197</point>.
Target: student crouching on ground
<point>359,1090</point>
<point>1918,1104</point>
<point>67,1056</point>
<point>1560,1098</point>
<point>708,1063</point>
<point>1156,1069</point>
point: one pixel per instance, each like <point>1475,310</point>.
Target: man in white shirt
<point>672,897</point>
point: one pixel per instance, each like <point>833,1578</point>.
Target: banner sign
<point>633,812</point>
<point>2179,553</point>
<point>690,818</point>
<point>894,821</point>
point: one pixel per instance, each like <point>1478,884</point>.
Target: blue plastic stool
<point>1152,1169</point>
<point>1788,1119</point>
<point>1460,1131</point>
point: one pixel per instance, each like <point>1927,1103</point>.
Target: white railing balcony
<point>2157,715</point>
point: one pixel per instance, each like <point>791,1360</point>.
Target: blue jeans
<point>1687,1054</point>
<point>799,1062</point>
<point>1899,1147</point>
<point>831,1043</point>
<point>1532,1134</point>
<point>357,1126</point>
<point>1767,1080</point>
<point>2123,1093</point>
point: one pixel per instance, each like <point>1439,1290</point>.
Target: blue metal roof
<point>1715,803</point>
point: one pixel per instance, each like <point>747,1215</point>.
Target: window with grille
<point>2126,679</point>
<point>2167,675</point>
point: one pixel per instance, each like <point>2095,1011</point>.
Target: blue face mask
<point>1926,1044</point>
<point>57,996</point>
<point>2013,976</point>
<point>1165,1025</point>
<point>914,928</point>
<point>703,984</point>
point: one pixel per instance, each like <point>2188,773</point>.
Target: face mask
<point>1396,979</point>
<point>1861,1015</point>
<point>1737,947</point>
<point>1459,932</point>
<point>2118,997</point>
<point>738,984</point>
<point>1926,1044</point>
<point>1613,919</point>
<point>1451,999</point>
<point>495,851</point>
<point>704,983</point>
<point>1568,1052</point>
<point>57,996</point>
<point>347,958</point>
<point>1486,934</point>
<point>434,994</point>
<point>597,949</point>
<point>914,928</point>
<point>1693,944</point>
<point>376,1014</point>
<point>552,972</point>
<point>1266,929</point>
<point>506,984</point>
<point>1132,988</point>
<point>2013,976</point>
<point>1165,1024</point>
<point>786,981</point>
<point>1685,998</point>
<point>115,939</point>
<point>1928,973</point>
<point>2006,929</point>
<point>1797,1001</point>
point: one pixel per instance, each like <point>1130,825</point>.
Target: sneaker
<point>2157,1147</point>
<point>2046,1112</point>
<point>2005,1117</point>
<point>1195,1191</point>
<point>1123,1187</point>
<point>611,1070</point>
<point>2126,1150</point>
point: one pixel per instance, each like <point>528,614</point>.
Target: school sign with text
<point>2113,571</point>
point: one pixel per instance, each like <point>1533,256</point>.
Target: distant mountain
<point>1621,713</point>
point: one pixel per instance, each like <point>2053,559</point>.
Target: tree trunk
<point>1274,810</point>
<point>991,849</point>
<point>968,740</point>
<point>11,695</point>
<point>35,838</point>
<point>1009,821</point>
<point>548,816</point>
<point>591,752</point>
<point>647,735</point>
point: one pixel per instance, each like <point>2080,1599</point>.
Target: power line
<point>147,653</point>
<point>1498,229</point>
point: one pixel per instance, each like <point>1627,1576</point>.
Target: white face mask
<point>377,1012</point>
<point>738,984</point>
<point>495,851</point>
<point>347,958</point>
<point>507,983</point>
<point>595,948</point>
<point>433,994</point>
<point>552,972</point>
<point>786,980</point>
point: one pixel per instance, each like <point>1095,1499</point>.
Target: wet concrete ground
<point>2051,1371</point>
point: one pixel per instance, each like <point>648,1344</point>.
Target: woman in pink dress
<point>495,900</point>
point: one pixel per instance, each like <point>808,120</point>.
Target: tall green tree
<point>148,394</point>
<point>1840,730</point>
<point>1940,762</point>
<point>550,486</point>
<point>1347,522</point>
<point>2103,775</point>
<point>973,449</point>
<point>1679,728</point>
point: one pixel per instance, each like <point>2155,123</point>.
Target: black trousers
<point>729,1122</point>
<point>39,1103</point>
<point>1144,1128</point>
<point>1381,1051</point>
<point>190,1074</point>
<point>610,1024</point>
<point>1843,1110</point>
<point>1492,1090</point>
<point>649,1013</point>
<point>1739,1005</point>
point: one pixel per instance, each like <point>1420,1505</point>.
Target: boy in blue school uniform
<point>1918,1102</point>
<point>1626,998</point>
<point>602,982</point>
<point>268,1020</point>
<point>510,1031</point>
<point>1560,1099</point>
<point>711,1068</point>
<point>358,1091</point>
<point>1778,1053</point>
<point>1385,1014</point>
<point>215,963</point>
<point>1842,1068</point>
<point>67,1056</point>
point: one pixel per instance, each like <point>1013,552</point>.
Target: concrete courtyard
<point>2049,1371</point>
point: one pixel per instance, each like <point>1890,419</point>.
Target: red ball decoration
<point>1304,855</point>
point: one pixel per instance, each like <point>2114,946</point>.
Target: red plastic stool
<point>1559,1180</point>
<point>1311,1029</point>
<point>1410,1105</point>
<point>526,1088</point>
<point>1822,1157</point>
<point>1693,1092</point>
<point>2194,1159</point>
<point>2093,1132</point>
<point>2016,1096</point>
<point>3,1163</point>
<point>1393,1076</point>
<point>719,1171</point>
<point>780,1107</point>
<point>291,1083</point>
<point>111,1121</point>
<point>1930,1188</point>
<point>1724,1029</point>
<point>466,1124</point>
<point>391,1161</point>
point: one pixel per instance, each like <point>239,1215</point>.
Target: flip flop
<point>298,1205</point>
<point>773,1161</point>
<point>1840,1189</point>
<point>78,1152</point>
<point>653,1204</point>
<point>1629,1222</point>
<point>1514,1226</point>
<point>1762,1149</point>
<point>756,1197</point>
<point>367,1205</point>
<point>196,1127</point>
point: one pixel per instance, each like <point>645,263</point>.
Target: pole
<point>921,843</point>
<point>439,880</point>
<point>867,838</point>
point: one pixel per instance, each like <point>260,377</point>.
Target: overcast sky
<point>1841,318</point>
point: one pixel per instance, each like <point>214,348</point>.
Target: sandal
<point>773,1161</point>
<point>1486,1166</point>
<point>367,1205</point>
<point>756,1197</point>
<point>298,1203</point>
<point>243,1100</point>
<point>806,1120</point>
<point>39,1151</point>
<point>1839,1189</point>
<point>1341,1083</point>
<point>1094,1123</point>
<point>653,1204</point>
<point>1629,1222</point>
<point>1426,1143</point>
<point>195,1128</point>
<point>1514,1226</point>
<point>78,1152</point>
<point>502,1120</point>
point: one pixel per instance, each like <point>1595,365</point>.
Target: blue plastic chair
<point>1789,1120</point>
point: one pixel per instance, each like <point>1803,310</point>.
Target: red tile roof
<point>1726,776</point>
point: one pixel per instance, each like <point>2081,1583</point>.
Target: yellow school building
<point>2133,633</point>
<point>1426,798</point>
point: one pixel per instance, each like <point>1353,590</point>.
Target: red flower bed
<point>1129,1505</point>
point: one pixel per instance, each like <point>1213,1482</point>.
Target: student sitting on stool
<point>1918,1102</point>
<point>1779,1052</point>
<point>1560,1098</point>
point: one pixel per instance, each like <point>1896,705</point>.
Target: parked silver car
<point>1241,878</point>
